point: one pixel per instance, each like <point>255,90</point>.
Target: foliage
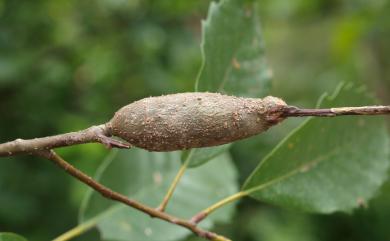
<point>11,237</point>
<point>233,60</point>
<point>326,165</point>
<point>233,51</point>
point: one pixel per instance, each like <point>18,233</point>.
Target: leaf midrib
<point>314,163</point>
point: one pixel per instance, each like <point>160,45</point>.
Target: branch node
<point>198,217</point>
<point>160,208</point>
<point>47,154</point>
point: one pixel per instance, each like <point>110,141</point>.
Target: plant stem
<point>98,133</point>
<point>76,231</point>
<point>291,111</point>
<point>174,183</point>
<point>110,194</point>
<point>203,214</point>
<point>102,133</point>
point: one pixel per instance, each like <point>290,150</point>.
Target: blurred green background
<point>66,65</point>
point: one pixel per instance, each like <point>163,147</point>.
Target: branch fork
<point>110,194</point>
<point>94,134</point>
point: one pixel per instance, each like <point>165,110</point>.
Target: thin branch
<point>206,212</point>
<point>174,183</point>
<point>101,133</point>
<point>292,111</point>
<point>97,134</point>
<point>110,194</point>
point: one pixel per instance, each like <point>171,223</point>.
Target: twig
<point>291,111</point>
<point>101,133</point>
<point>110,194</point>
<point>174,183</point>
<point>98,134</point>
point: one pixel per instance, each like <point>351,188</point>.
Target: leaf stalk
<point>174,183</point>
<point>206,212</point>
<point>76,231</point>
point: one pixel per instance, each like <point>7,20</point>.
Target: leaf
<point>11,237</point>
<point>233,60</point>
<point>327,164</point>
<point>145,176</point>
<point>233,51</point>
<point>276,225</point>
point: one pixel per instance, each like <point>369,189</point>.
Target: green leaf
<point>277,225</point>
<point>327,164</point>
<point>11,237</point>
<point>233,60</point>
<point>233,51</point>
<point>145,176</point>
